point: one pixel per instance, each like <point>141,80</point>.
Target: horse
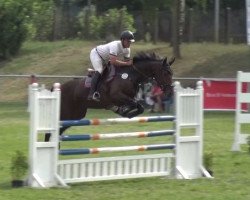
<point>118,90</point>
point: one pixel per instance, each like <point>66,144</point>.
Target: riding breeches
<point>96,61</point>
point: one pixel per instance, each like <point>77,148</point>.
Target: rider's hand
<point>130,62</point>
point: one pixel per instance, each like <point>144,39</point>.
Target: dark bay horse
<point>119,93</point>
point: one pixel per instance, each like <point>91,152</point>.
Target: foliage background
<point>52,20</point>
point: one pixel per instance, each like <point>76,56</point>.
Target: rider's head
<point>127,37</point>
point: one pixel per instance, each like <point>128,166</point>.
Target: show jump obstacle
<point>184,160</point>
<point>241,117</point>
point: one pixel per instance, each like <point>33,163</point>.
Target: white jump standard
<point>184,161</point>
<point>240,116</point>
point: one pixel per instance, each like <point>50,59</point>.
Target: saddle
<point>107,75</point>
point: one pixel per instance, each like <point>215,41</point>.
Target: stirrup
<point>96,96</point>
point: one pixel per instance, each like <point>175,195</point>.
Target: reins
<point>145,76</point>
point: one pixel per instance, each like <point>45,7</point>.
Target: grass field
<point>231,170</point>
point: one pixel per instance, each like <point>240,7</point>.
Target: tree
<point>13,32</point>
<point>178,19</point>
<point>108,26</point>
<point>41,20</point>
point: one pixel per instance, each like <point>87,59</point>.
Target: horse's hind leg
<point>48,135</point>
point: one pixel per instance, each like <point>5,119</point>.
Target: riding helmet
<point>127,35</point>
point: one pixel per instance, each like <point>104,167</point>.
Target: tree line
<point>44,20</point>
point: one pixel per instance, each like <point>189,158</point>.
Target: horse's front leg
<point>128,107</point>
<point>135,111</point>
<point>123,110</point>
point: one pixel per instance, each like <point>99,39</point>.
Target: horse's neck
<point>123,69</point>
<point>143,68</point>
<point>140,71</point>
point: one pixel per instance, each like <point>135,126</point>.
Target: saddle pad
<point>111,73</point>
<point>87,83</point>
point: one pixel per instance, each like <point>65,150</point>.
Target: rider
<point>109,53</point>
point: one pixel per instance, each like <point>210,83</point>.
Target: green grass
<point>231,170</point>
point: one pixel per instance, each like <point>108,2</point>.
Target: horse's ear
<point>171,61</point>
<point>165,61</point>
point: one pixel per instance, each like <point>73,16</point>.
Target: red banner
<point>220,95</point>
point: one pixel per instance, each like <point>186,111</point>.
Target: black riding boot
<point>92,93</point>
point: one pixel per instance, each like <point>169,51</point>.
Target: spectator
<point>156,96</point>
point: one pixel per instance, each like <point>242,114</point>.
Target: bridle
<point>163,86</point>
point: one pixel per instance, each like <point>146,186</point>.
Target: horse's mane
<point>143,56</point>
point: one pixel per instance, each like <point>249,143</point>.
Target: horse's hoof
<point>132,113</point>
